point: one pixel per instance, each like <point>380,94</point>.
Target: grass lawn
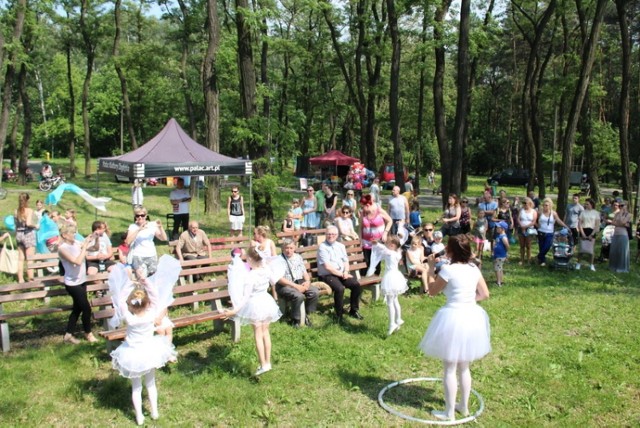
<point>565,353</point>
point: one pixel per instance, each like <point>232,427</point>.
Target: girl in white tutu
<point>459,332</point>
<point>393,281</point>
<point>257,307</point>
<point>142,352</point>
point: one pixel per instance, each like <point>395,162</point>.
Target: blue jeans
<point>544,242</point>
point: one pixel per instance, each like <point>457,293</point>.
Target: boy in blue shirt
<point>500,250</point>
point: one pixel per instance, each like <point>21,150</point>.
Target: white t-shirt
<point>143,245</point>
<point>104,243</point>
<point>178,194</point>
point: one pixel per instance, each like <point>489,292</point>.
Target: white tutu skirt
<point>393,283</point>
<point>237,221</point>
<point>137,359</point>
<point>260,308</point>
<point>457,334</point>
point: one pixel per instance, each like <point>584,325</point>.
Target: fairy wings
<point>159,287</point>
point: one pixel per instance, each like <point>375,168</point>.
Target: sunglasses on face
<point>140,215</point>
<point>429,230</point>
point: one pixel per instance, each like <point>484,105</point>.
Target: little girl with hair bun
<point>142,352</point>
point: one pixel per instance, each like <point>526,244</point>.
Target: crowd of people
<point>446,259</point>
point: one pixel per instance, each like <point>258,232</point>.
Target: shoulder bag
<point>9,258</point>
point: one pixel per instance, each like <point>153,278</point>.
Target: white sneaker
<point>592,267</point>
<point>263,369</point>
<point>577,266</point>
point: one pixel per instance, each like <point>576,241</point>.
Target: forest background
<point>463,88</point>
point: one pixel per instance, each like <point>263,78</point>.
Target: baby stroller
<point>607,234</point>
<point>562,250</point>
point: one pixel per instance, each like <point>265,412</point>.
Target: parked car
<point>510,176</point>
<point>388,175</point>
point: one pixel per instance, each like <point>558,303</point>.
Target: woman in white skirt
<point>459,332</point>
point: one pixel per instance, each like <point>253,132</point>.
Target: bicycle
<point>48,182</point>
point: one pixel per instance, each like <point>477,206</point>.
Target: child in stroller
<point>562,249</point>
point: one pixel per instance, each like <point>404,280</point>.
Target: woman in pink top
<point>376,224</point>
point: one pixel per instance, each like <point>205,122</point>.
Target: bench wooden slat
<point>33,312</point>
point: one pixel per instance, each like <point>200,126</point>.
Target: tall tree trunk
<point>438,98</point>
<point>394,84</point>
<point>126,104</point>
<point>421,90</point>
<point>530,92</point>
<point>21,8</point>
<point>624,103</point>
<point>257,152</point>
<point>473,69</point>
<point>211,101</point>
<point>462,103</point>
<point>587,59</point>
<point>13,138</point>
<point>186,87</point>
<point>72,111</point>
<point>89,49</point>
<point>27,128</point>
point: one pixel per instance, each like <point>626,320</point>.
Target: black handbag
<point>307,240</point>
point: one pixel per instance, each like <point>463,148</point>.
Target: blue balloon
<point>10,223</point>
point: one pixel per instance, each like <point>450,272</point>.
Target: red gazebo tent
<point>333,158</point>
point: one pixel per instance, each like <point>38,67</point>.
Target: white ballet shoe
<point>399,323</point>
<point>464,412</point>
<point>155,415</point>
<point>140,420</point>
<point>442,415</point>
<point>263,369</point>
<point>392,327</point>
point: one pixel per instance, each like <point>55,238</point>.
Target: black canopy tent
<point>173,153</point>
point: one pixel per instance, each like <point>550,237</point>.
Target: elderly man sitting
<point>193,244</point>
<point>295,286</point>
<point>333,269</point>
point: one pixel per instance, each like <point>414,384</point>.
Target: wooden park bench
<point>35,295</point>
<point>189,295</point>
<point>357,262</point>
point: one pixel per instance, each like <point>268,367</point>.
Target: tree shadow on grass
<point>413,399</point>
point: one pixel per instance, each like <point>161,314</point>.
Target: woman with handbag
<point>451,216</point>
<point>527,218</point>
<point>26,223</point>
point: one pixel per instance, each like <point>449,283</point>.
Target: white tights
<point>395,312</point>
<point>136,395</point>
<point>451,387</point>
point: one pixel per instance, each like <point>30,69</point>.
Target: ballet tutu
<point>237,221</point>
<point>393,283</point>
<point>137,359</point>
<point>458,333</point>
<point>260,308</point>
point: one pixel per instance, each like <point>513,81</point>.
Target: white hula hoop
<point>464,420</point>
